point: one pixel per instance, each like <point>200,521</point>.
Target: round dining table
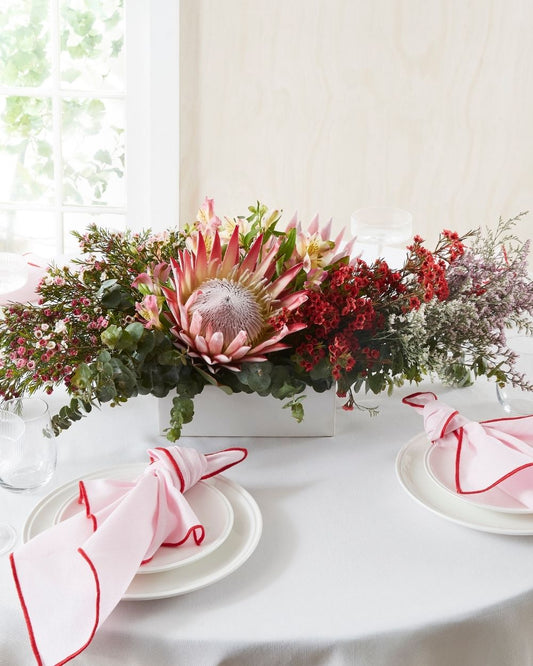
<point>362,559</point>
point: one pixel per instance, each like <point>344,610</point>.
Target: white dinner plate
<point>440,465</point>
<point>224,560</point>
<point>412,475</point>
<point>211,507</point>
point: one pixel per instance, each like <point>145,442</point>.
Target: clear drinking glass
<point>28,462</point>
<point>514,401</point>
<point>12,429</point>
<point>381,226</point>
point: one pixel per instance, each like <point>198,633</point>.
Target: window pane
<point>28,231</point>
<point>80,221</point>
<point>26,160</point>
<point>93,152</point>
<point>92,42</point>
<point>24,45</point>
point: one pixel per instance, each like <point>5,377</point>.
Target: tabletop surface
<point>349,569</point>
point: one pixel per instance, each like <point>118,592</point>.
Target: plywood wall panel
<point>329,105</point>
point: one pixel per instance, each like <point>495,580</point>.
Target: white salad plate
<point>226,558</point>
<point>440,465</point>
<point>414,478</point>
<point>211,507</point>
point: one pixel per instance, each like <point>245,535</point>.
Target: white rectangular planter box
<point>217,414</point>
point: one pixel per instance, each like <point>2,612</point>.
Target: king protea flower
<point>221,305</point>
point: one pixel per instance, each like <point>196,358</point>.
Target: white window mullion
<point>56,115</point>
<point>152,120</point>
<point>138,167</point>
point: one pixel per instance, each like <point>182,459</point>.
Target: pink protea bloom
<point>221,305</point>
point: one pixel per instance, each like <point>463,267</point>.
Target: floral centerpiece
<point>240,304</point>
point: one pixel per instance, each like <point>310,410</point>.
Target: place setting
<point>135,532</point>
<point>476,474</point>
<point>228,513</point>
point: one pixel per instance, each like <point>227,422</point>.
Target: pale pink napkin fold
<point>37,267</point>
<point>70,577</point>
<point>488,454</point>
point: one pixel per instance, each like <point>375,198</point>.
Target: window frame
<point>151,100</point>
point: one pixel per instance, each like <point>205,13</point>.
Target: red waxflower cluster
<point>343,316</point>
<point>431,266</point>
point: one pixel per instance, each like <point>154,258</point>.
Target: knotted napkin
<point>498,452</point>
<point>70,577</point>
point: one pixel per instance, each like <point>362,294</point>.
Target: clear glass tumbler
<point>514,401</point>
<point>12,429</point>
<point>28,462</point>
<point>381,226</point>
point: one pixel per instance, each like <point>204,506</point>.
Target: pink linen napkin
<point>498,452</point>
<point>37,267</point>
<point>70,577</point>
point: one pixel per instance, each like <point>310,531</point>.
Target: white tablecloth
<point>349,569</point>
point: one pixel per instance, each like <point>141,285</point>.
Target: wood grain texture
<point>330,105</point>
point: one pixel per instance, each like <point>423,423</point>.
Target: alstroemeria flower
<point>207,223</point>
<point>316,250</point>
<point>150,309</point>
<point>150,283</point>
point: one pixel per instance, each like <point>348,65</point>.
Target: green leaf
<point>82,377</point>
<point>135,330</point>
<point>70,75</point>
<point>256,376</point>
<point>182,412</point>
<point>103,156</point>
<point>375,383</point>
<point>111,336</point>
<point>297,409</point>
<point>96,107</point>
<point>106,392</point>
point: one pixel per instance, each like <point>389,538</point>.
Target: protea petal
<point>201,344</point>
<point>237,343</point>
<point>172,302</point>
<point>216,251</point>
<point>326,231</point>
<point>293,221</point>
<point>186,339</point>
<point>293,301</point>
<point>231,257</point>
<point>216,343</point>
<point>266,266</point>
<point>196,324</point>
<point>201,259</point>
<point>241,353</point>
<point>256,359</point>
<point>252,256</point>
<point>314,227</point>
<point>340,236</point>
<point>284,280</point>
<point>221,358</point>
